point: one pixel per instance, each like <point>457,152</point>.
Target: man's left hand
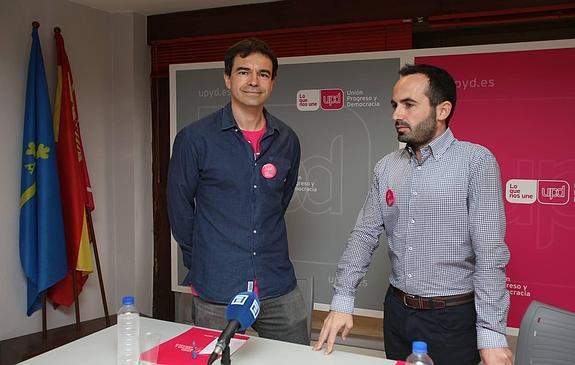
<point>496,356</point>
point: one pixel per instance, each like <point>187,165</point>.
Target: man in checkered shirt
<point>439,203</point>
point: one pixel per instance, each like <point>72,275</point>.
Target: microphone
<point>241,313</point>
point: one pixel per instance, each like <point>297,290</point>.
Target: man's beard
<point>422,134</point>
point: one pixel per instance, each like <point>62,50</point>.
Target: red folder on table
<point>191,347</point>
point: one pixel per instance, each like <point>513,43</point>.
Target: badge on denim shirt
<point>389,197</point>
<point>269,170</point>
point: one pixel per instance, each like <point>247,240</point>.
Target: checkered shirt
<point>445,226</point>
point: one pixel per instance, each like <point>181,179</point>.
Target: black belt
<point>417,302</point>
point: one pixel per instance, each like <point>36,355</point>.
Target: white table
<point>100,349</point>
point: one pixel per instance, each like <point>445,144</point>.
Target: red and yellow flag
<point>75,188</point>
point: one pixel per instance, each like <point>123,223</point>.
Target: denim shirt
<point>226,209</point>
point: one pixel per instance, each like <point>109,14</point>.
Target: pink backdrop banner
<point>521,105</point>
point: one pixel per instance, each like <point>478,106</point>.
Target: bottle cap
<point>419,346</point>
<point>127,300</point>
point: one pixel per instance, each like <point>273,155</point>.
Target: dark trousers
<point>283,318</point>
<point>450,332</point>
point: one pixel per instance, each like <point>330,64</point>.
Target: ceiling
<point>150,7</point>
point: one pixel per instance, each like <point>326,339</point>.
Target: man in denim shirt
<point>231,177</point>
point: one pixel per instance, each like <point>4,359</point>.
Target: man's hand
<point>332,324</point>
<point>496,356</point>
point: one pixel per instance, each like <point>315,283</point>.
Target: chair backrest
<point>305,285</point>
<point>546,336</point>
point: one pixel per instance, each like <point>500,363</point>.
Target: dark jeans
<point>450,332</point>
<point>283,318</point>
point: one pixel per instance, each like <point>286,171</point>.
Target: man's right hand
<point>332,325</point>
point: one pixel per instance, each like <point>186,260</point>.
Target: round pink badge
<point>389,197</point>
<point>269,171</point>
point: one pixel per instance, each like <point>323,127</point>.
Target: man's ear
<point>227,80</point>
<point>443,110</point>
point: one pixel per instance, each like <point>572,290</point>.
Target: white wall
<point>110,65</point>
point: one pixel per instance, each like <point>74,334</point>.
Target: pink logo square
<point>331,99</point>
<point>555,192</point>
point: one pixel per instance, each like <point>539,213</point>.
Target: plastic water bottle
<point>128,333</point>
<point>419,355</point>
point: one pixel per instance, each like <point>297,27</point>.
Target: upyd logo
<point>331,99</point>
<point>549,192</point>
<point>553,192</point>
<point>328,99</point>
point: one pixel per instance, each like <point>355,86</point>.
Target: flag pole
<point>36,24</point>
<point>76,301</point>
<point>75,274</point>
<point>78,195</point>
<point>44,321</point>
<point>40,192</point>
<point>97,259</point>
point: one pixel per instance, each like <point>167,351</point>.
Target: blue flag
<point>42,241</point>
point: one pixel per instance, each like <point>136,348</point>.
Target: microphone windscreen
<point>244,308</point>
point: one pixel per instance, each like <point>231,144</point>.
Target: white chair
<point>546,336</point>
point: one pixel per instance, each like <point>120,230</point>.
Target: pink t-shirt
<point>254,138</point>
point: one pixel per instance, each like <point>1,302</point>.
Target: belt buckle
<point>410,296</point>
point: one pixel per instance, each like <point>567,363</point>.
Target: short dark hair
<point>441,85</point>
<point>245,48</point>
